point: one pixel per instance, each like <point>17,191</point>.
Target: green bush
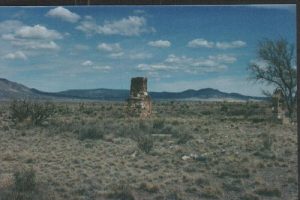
<point>90,132</point>
<point>182,135</point>
<point>35,112</point>
<point>169,129</point>
<point>183,138</point>
<point>85,109</point>
<point>158,123</point>
<point>19,110</point>
<point>271,192</point>
<point>237,111</point>
<point>224,108</point>
<point>143,125</point>
<point>63,109</point>
<point>25,180</point>
<point>206,112</point>
<point>145,143</point>
<point>41,111</point>
<point>122,191</point>
<point>267,140</point>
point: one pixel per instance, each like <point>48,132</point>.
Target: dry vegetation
<point>186,150</point>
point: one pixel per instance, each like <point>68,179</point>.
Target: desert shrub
<point>151,188</point>
<point>122,191</point>
<point>267,141</point>
<point>201,181</point>
<point>175,122</point>
<point>232,185</point>
<point>25,180</point>
<point>234,172</point>
<point>183,138</point>
<point>258,120</point>
<point>206,112</point>
<point>36,112</point>
<point>211,192</point>
<point>265,191</point>
<point>40,112</point>
<point>174,195</point>
<point>90,131</point>
<point>236,111</point>
<point>86,110</point>
<point>143,125</point>
<point>19,110</point>
<point>249,196</point>
<point>63,109</point>
<point>224,108</point>
<point>169,129</point>
<point>243,109</point>
<point>158,123</point>
<point>145,143</point>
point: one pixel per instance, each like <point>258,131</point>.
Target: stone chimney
<point>139,102</point>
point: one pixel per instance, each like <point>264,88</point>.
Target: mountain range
<point>12,90</point>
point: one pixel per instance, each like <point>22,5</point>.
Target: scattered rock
<point>185,157</point>
<point>134,154</point>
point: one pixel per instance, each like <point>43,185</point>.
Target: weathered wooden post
<point>279,108</point>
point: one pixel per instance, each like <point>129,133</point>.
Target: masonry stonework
<point>139,102</point>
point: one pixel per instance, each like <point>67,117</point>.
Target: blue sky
<point>176,47</point>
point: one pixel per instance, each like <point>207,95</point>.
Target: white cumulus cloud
<point>8,26</point>
<point>190,65</point>
<point>37,32</point>
<point>130,26</point>
<point>90,65</point>
<point>87,63</point>
<point>81,47</point>
<point>116,55</point>
<point>140,56</point>
<point>103,68</point>
<point>34,44</point>
<point>29,37</point>
<point>160,43</point>
<point>15,55</point>
<point>199,42</point>
<point>230,45</point>
<point>63,14</point>
<point>106,47</point>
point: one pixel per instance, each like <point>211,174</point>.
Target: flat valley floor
<point>185,150</point>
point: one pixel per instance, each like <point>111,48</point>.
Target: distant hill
<point>12,90</point>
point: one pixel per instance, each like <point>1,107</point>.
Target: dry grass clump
<point>25,180</point>
<point>149,187</point>
<point>232,185</point>
<point>268,191</point>
<point>233,171</point>
<point>145,143</point>
<point>158,123</point>
<point>121,191</point>
<point>249,196</point>
<point>24,187</point>
<point>211,192</point>
<point>182,137</point>
<point>174,195</point>
<point>202,181</point>
<point>90,131</point>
